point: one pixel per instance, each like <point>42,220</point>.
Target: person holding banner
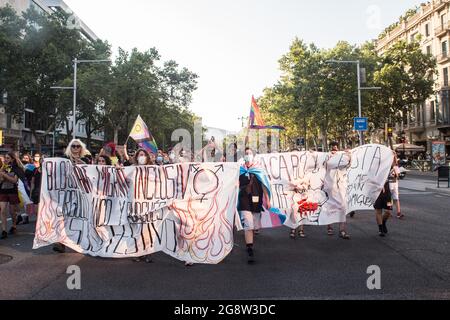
<point>78,154</point>
<point>344,162</point>
<point>142,158</point>
<point>254,193</point>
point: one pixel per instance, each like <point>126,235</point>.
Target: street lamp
<point>74,88</point>
<point>358,70</point>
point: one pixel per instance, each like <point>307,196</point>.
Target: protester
<point>104,161</point>
<point>77,153</point>
<point>334,146</point>
<point>10,174</point>
<point>254,193</point>
<point>384,202</point>
<point>184,157</point>
<point>36,182</point>
<point>233,154</point>
<point>109,150</point>
<point>394,176</point>
<point>172,157</point>
<point>142,158</point>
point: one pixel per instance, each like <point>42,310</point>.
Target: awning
<point>406,147</point>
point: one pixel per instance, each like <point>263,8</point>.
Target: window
<point>432,112</point>
<point>444,48</point>
<point>413,37</point>
<point>427,30</point>
<point>429,50</point>
<point>8,121</point>
<point>443,20</point>
<point>445,74</point>
<point>28,120</point>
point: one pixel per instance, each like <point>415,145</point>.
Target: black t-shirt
<point>250,193</point>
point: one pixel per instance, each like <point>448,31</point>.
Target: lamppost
<point>74,88</point>
<point>358,71</point>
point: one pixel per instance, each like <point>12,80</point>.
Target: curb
<point>441,191</point>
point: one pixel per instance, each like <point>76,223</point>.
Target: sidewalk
<point>427,185</point>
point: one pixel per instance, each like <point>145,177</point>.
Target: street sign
<point>360,124</point>
<point>301,141</point>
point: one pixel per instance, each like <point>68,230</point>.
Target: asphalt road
<point>414,260</point>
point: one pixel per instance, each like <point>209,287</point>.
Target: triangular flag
<point>255,118</point>
<point>142,136</point>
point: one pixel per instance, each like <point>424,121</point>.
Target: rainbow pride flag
<point>255,119</point>
<point>142,136</point>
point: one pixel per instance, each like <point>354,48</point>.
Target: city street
<point>414,262</point>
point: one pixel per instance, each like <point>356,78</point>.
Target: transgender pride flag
<point>142,136</point>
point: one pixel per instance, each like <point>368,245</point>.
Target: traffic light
<point>390,132</point>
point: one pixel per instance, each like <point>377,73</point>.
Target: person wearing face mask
<point>172,157</point>
<point>254,194</point>
<point>142,158</point>
<point>159,159</point>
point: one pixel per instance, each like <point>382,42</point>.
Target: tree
<point>318,100</point>
<point>47,48</point>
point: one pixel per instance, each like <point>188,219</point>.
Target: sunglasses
<point>76,146</point>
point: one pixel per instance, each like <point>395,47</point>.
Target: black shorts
<point>384,200</point>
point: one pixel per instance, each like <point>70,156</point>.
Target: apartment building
<point>429,121</point>
<point>18,135</point>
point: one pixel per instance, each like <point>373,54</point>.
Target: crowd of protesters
<point>20,181</point>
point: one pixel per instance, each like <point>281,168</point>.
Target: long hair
<point>84,151</point>
<point>15,160</point>
<point>136,156</point>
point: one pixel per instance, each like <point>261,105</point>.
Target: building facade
<point>430,25</point>
<point>18,136</point>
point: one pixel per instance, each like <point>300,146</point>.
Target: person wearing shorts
<point>10,173</point>
<point>252,192</point>
<point>393,186</point>
<point>383,203</point>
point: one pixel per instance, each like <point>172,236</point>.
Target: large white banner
<point>184,210</point>
<point>188,210</point>
<point>316,188</point>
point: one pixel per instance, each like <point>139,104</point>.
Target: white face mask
<point>142,160</point>
<point>171,156</point>
<point>248,158</point>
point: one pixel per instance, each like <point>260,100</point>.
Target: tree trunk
<point>116,135</point>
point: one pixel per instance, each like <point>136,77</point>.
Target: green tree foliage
<point>317,99</point>
<point>37,52</point>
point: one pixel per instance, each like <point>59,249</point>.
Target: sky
<point>233,45</point>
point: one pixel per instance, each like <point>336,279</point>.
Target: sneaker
<point>251,256</point>
<point>382,234</point>
<point>19,219</point>
<point>352,214</point>
<point>188,264</point>
<point>148,258</point>
<point>13,231</point>
<point>26,220</point>
<point>59,247</point>
<point>4,235</point>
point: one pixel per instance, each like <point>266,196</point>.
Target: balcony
<point>442,29</point>
<point>443,57</point>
